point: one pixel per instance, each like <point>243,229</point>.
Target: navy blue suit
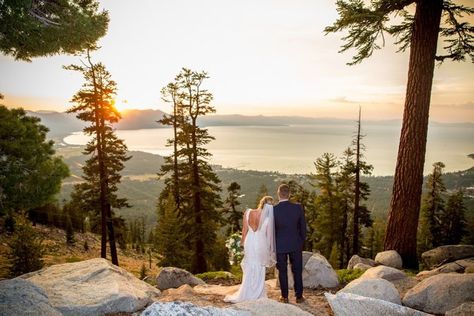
<point>290,234</point>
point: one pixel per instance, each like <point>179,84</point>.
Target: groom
<point>290,233</point>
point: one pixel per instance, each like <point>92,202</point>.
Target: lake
<point>293,149</point>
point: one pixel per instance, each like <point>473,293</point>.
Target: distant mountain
<point>63,124</point>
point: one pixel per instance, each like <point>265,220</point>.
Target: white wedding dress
<point>259,252</point>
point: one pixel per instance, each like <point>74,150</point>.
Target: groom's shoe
<point>283,300</point>
<point>300,300</point>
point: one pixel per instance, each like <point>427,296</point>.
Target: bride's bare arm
<point>245,228</point>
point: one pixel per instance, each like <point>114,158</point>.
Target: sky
<point>267,57</point>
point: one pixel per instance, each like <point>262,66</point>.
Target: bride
<point>258,240</point>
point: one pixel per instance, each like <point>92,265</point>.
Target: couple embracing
<point>272,234</point>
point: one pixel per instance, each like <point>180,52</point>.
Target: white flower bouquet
<point>235,250</point>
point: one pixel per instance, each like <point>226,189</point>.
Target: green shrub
<point>73,259</point>
<point>26,248</point>
<point>213,275</point>
<point>345,275</point>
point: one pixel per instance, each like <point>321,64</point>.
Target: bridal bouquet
<point>235,251</point>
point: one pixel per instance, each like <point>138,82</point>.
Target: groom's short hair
<point>284,190</point>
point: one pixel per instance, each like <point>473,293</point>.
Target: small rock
<point>362,267</point>
<point>389,258</point>
<point>269,307</point>
<point>376,288</point>
<point>21,297</point>
<point>347,304</point>
<point>466,309</point>
<point>208,289</point>
<point>445,254</point>
<point>355,259</point>
<point>383,272</point>
<point>171,277</point>
<point>441,293</point>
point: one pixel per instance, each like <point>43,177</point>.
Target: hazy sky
<point>264,57</point>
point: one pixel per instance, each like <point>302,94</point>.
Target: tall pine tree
<point>453,220</point>
<point>187,172</point>
<point>94,103</point>
<point>367,22</point>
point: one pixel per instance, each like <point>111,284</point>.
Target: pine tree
<point>42,28</point>
<point>69,231</point>
<point>433,207</point>
<point>170,237</point>
<point>187,171</point>
<point>367,23</point>
<point>234,217</point>
<point>453,221</point>
<point>327,224</point>
<point>26,248</point>
<point>94,103</point>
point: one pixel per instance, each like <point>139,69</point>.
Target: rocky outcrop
<point>355,260</point>
<point>347,304</point>
<point>376,288</point>
<point>389,258</point>
<point>317,272</point>
<point>261,307</point>
<point>268,307</point>
<point>466,309</point>
<point>445,254</point>
<point>93,287</point>
<point>458,266</point>
<point>21,297</point>
<point>441,293</point>
<point>185,308</point>
<point>383,272</point>
<point>170,277</point>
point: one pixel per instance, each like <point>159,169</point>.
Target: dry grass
<point>58,252</point>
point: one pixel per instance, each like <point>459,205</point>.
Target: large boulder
<point>389,258</point>
<point>171,277</point>
<point>21,297</point>
<point>93,287</point>
<point>458,266</point>
<point>383,272</point>
<point>441,293</point>
<point>355,259</point>
<point>466,309</point>
<point>261,307</point>
<point>347,304</point>
<point>376,288</point>
<point>317,272</point>
<point>268,307</point>
<point>185,308</point>
<point>444,254</point>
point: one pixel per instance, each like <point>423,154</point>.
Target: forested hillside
<point>141,186</point>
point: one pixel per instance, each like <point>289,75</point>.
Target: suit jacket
<point>290,227</point>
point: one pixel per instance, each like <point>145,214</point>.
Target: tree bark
<point>408,181</point>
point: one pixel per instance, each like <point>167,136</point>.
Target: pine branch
<point>365,24</point>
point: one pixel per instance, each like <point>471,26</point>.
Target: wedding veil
<point>267,223</point>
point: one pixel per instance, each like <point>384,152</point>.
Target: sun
<point>122,105</point>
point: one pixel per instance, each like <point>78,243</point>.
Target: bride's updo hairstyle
<point>265,200</point>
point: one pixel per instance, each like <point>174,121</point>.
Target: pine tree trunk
<point>355,242</point>
<point>102,184</point>
<point>408,181</point>
<point>110,229</point>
